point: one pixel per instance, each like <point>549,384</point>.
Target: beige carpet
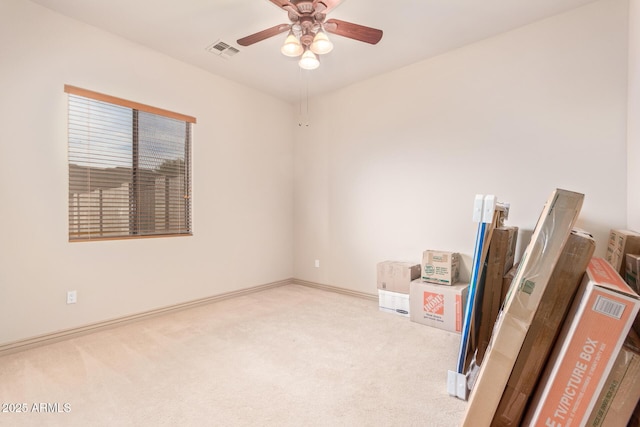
<point>289,356</point>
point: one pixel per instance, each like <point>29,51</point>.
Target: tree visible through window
<point>129,168</point>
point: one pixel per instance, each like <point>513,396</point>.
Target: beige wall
<point>242,183</point>
<point>633,117</point>
<point>386,169</point>
<point>389,167</point>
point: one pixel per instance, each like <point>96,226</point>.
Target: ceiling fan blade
<point>328,5</point>
<point>353,31</point>
<point>286,5</point>
<point>264,34</point>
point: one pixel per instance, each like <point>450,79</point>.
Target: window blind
<point>129,169</point>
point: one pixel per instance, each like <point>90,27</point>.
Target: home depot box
<point>621,243</point>
<point>597,324</point>
<point>536,266</point>
<point>544,328</point>
<point>440,267</point>
<point>438,305</point>
<point>393,302</point>
<point>395,276</point>
<point>631,271</point>
<point>621,391</point>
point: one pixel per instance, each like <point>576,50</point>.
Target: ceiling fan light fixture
<point>291,46</point>
<point>321,43</point>
<point>309,60</point>
<point>307,32</point>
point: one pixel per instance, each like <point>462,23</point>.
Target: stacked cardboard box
<point>597,324</point>
<point>499,261</point>
<point>621,243</point>
<point>393,302</point>
<point>632,277</point>
<point>394,278</point>
<point>544,328</point>
<point>536,267</point>
<point>440,267</point>
<point>438,305</point>
<point>434,295</point>
<point>435,299</point>
<point>631,271</point>
<point>621,391</point>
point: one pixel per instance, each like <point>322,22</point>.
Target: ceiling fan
<point>307,31</point>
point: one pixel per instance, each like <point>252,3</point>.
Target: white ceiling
<point>413,30</point>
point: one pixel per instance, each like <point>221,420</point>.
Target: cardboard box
<point>439,306</point>
<point>621,243</point>
<point>385,275</point>
<point>621,391</point>
<point>395,276</point>
<point>393,302</point>
<point>536,266</point>
<point>440,267</point>
<point>499,262</point>
<point>597,324</point>
<point>544,328</point>
<point>633,280</point>
<point>631,271</point>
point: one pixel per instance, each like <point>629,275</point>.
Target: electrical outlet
<point>317,263</point>
<point>72,297</point>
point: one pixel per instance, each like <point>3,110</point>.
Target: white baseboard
<point>21,345</point>
<point>335,289</point>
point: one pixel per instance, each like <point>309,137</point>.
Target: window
<point>129,169</point>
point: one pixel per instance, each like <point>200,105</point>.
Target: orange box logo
<point>434,303</point>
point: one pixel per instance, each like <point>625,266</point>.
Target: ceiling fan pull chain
<point>303,114</point>
<point>306,81</point>
<point>300,97</point>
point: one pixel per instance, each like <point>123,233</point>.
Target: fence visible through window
<point>129,169</point>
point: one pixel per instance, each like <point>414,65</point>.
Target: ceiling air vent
<point>222,49</point>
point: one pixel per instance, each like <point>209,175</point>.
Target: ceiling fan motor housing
<point>305,7</point>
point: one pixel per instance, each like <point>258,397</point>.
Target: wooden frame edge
<point>74,90</point>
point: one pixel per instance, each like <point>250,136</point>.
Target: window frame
<point>136,107</point>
